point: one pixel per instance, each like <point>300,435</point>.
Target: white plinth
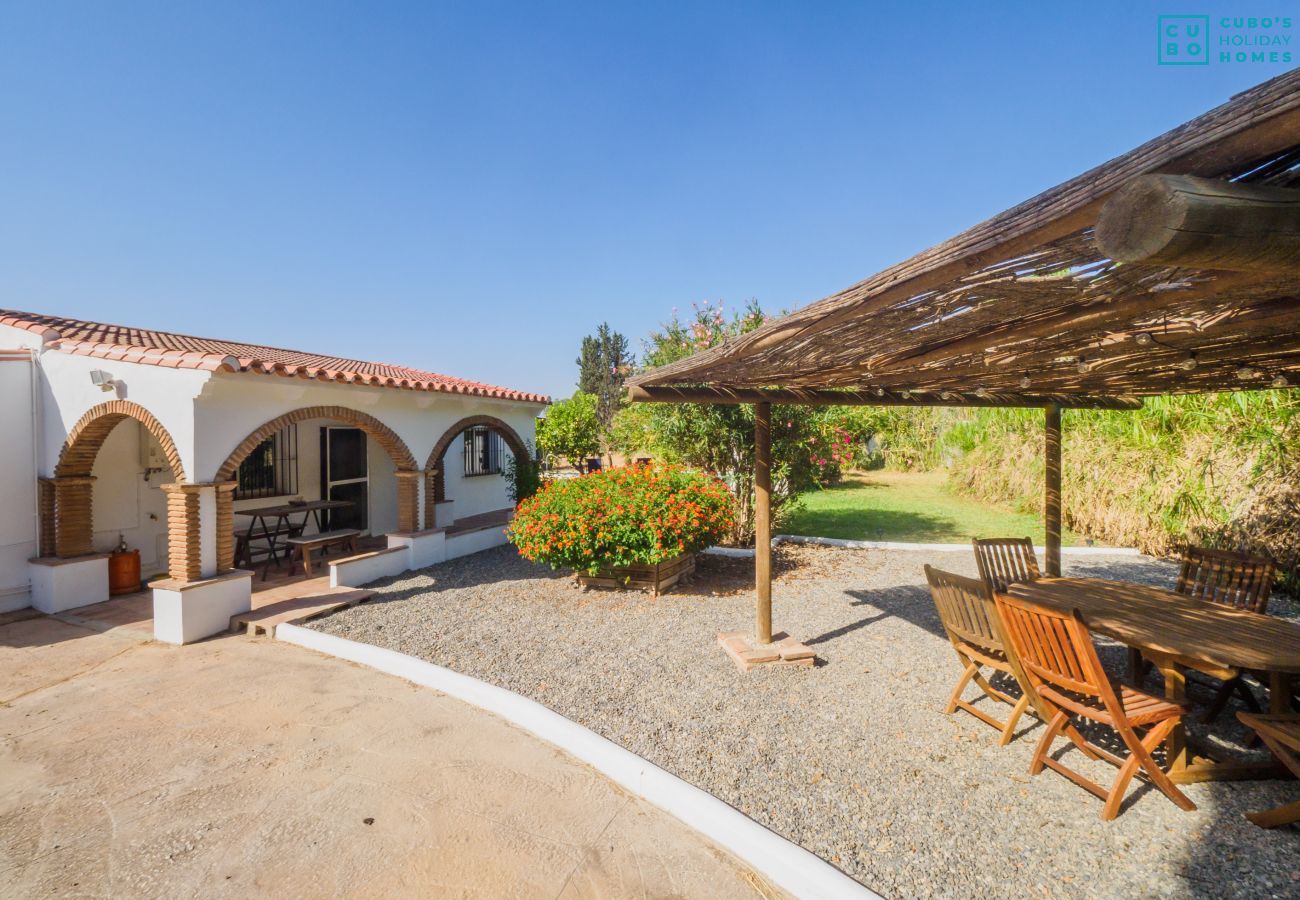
<point>63,584</point>
<point>184,612</point>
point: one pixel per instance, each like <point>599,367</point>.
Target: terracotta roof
<point>179,351</point>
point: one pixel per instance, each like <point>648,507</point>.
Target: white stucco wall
<point>127,504</point>
<point>17,481</point>
<point>66,394</point>
<point>477,493</point>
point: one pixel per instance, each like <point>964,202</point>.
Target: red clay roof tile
<point>164,348</point>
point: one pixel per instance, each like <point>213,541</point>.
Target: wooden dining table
<point>1175,633</point>
<point>284,527</point>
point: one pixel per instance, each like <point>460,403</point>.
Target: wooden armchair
<point>971,620</point>
<point>1281,734</point>
<point>1005,561</point>
<point>1060,661</point>
<point>1233,579</point>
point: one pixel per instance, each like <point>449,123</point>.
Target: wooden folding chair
<point>971,620</point>
<point>1281,734</point>
<point>1005,561</point>
<point>1233,579</point>
<point>1060,661</point>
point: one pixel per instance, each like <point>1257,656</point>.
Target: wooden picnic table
<point>285,528</point>
<point>1176,632</point>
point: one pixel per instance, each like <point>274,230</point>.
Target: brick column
<point>45,508</point>
<point>430,497</point>
<point>408,500</point>
<point>184,537</point>
<point>226,525</point>
<point>73,524</point>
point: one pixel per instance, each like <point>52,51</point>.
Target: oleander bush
<point>638,515</point>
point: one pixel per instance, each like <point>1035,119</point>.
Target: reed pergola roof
<point>1027,309</point>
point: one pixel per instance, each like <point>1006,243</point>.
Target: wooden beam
<point>1052,492</point>
<point>895,397</point>
<point>763,522</point>
<point>1182,220</point>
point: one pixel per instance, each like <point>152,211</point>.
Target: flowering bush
<point>639,515</point>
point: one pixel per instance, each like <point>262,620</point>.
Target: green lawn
<point>908,506</point>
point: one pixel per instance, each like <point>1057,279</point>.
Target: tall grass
<point>1217,469</point>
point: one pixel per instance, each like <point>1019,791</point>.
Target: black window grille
<point>482,451</point>
<point>271,470</point>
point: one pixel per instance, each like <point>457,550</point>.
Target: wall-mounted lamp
<point>102,380</point>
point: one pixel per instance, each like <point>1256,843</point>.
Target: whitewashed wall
<point>17,482</point>
<point>125,504</point>
<point>477,493</point>
<point>233,405</point>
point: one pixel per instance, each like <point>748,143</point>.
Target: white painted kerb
<point>788,865</point>
<point>743,552</point>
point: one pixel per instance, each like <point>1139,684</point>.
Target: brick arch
<point>383,435</point>
<point>66,501</point>
<point>85,439</point>
<point>436,489</point>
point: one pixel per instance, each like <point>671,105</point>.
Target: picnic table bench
<point>303,545</point>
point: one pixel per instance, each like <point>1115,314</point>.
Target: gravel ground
<point>854,759</point>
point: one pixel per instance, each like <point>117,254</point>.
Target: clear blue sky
<point>471,187</point>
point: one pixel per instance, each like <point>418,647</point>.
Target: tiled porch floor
<point>134,612</point>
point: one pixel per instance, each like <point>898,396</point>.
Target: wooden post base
<point>783,651</point>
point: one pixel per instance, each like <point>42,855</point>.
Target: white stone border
<point>742,553</point>
<point>788,865</point>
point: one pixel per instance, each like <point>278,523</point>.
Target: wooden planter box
<point>658,578</point>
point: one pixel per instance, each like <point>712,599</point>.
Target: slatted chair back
<point>1005,561</point>
<point>1056,649</point>
<point>966,609</point>
<point>1223,576</point>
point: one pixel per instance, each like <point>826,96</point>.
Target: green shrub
<point>638,515</point>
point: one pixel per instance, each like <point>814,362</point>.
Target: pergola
<point>1174,268</point>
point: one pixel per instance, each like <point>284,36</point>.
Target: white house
<point>115,433</point>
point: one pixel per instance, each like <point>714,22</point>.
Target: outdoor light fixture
<point>981,391</point>
<point>1025,382</point>
<point>1143,338</point>
<point>880,392</point>
<point>1189,363</point>
<point>907,395</point>
<point>102,380</point>
<point>1279,381</point>
<point>1082,366</point>
<point>1246,373</point>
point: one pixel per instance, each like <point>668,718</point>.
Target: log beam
<point>1052,491</point>
<point>893,397</point>
<point>1182,220</point>
<point>763,523</point>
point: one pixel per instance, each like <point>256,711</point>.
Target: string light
<point>1246,373</point>
<point>1143,338</point>
<point>906,395</point>
<point>1082,366</point>
<point>1025,382</point>
<point>981,391</point>
<point>1279,381</point>
<point>880,392</point>
<point>1189,363</point>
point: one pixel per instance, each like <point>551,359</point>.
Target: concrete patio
<point>238,766</point>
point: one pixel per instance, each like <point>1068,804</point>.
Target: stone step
<point>299,609</point>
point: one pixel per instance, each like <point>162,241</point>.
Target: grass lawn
<point>908,506</point>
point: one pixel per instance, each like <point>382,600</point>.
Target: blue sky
<point>471,187</point>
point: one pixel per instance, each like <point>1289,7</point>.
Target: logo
<point>1188,41</point>
<point>1184,40</point>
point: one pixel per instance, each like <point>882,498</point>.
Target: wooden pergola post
<point>1052,494</point>
<point>763,521</point>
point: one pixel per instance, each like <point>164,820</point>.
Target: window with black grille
<point>271,470</point>
<point>482,451</point>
